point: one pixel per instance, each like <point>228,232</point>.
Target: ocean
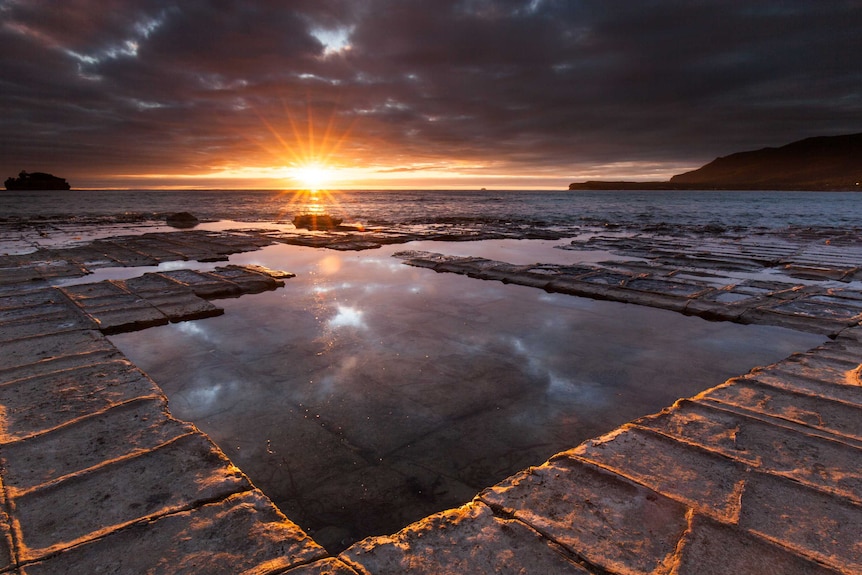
<point>633,210</point>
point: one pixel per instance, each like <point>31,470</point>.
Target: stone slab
<point>152,283</point>
<point>812,324</point>
<point>609,522</point>
<point>153,247</point>
<point>178,476</point>
<point>45,324</point>
<point>248,280</point>
<point>7,558</point>
<point>838,417</point>
<point>205,285</point>
<point>263,270</point>
<point>113,308</point>
<point>127,429</point>
<point>30,350</point>
<point>844,348</point>
<point>60,363</point>
<point>708,482</point>
<point>819,525</point>
<point>711,548</point>
<point>469,539</point>
<point>819,366</point>
<point>183,306</point>
<point>32,304</point>
<point>328,566</point>
<point>37,404</point>
<point>817,460</point>
<point>243,533</point>
<point>120,254</point>
<point>127,316</point>
<point>674,283</point>
<point>18,277</point>
<point>58,268</point>
<point>843,391</point>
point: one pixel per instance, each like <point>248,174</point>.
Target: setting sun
<point>312,176</point>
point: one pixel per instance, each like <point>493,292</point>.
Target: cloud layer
<point>547,90</point>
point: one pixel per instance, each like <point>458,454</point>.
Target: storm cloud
<point>106,92</point>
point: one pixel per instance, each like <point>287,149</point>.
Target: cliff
<point>820,163</point>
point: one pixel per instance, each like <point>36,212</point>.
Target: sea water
<point>630,209</point>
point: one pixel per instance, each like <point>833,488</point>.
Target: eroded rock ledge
<point>799,306</point>
<point>760,474</point>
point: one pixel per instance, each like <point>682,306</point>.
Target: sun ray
<point>307,158</point>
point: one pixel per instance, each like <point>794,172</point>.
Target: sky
<point>506,94</point>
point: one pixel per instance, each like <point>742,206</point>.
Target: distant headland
<point>36,181</point>
<point>824,163</point>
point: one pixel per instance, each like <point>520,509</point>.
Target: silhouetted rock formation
<point>316,222</point>
<point>820,163</point>
<point>36,181</point>
<point>181,220</point>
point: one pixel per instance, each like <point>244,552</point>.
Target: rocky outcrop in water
<point>182,220</point>
<point>36,181</point>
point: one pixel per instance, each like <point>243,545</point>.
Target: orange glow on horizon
<point>301,154</point>
<point>303,159</point>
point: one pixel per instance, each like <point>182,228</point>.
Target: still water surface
<point>367,394</point>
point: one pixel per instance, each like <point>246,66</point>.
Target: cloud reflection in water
<point>348,317</point>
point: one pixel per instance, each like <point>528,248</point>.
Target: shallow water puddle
<point>367,394</point>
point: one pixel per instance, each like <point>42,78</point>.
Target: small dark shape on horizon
<point>824,163</point>
<point>182,220</point>
<point>36,181</point>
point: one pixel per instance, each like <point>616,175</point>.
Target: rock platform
<point>759,474</point>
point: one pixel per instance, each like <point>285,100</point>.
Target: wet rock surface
<point>757,474</point>
<point>716,281</point>
<point>93,462</point>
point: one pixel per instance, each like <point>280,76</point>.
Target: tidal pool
<point>367,394</point>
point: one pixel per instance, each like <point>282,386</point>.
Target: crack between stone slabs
<point>844,333</point>
<point>120,459</point>
<point>797,551</point>
<point>554,545</point>
<point>787,423</point>
<point>819,353</point>
<point>95,331</point>
<point>778,422</point>
<point>738,490</point>
<point>779,371</point>
<point>107,532</point>
<point>735,496</point>
<point>756,467</point>
<point>673,560</point>
<point>780,417</point>
<point>93,414</point>
<point>102,357</point>
<point>80,310</point>
<point>8,510</point>
<point>342,563</point>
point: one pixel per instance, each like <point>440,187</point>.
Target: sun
<point>312,176</point>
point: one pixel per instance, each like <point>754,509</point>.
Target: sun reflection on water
<point>311,202</point>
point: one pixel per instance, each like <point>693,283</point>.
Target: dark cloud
<point>553,88</point>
